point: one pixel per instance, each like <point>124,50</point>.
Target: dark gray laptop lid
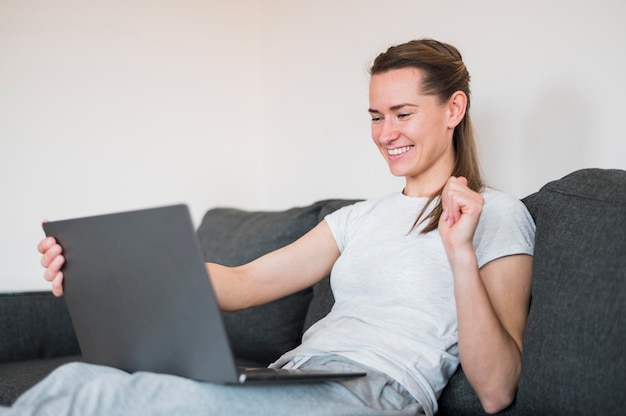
<point>139,295</point>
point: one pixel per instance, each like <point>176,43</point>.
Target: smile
<point>399,150</point>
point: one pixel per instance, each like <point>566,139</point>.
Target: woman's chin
<point>397,171</point>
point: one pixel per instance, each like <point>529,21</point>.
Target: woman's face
<point>413,131</point>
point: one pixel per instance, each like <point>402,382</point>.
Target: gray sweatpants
<point>84,389</point>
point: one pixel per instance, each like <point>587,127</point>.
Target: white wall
<point>261,104</point>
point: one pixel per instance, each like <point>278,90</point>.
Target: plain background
<point>261,104</point>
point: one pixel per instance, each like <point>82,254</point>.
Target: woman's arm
<point>492,304</point>
<point>279,273</point>
<point>492,307</point>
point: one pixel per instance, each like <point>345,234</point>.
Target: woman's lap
<point>82,389</point>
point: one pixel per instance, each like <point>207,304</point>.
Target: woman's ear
<point>457,105</point>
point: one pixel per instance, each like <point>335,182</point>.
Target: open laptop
<point>140,299</point>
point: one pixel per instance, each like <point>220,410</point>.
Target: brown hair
<point>443,74</point>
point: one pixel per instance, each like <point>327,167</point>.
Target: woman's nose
<point>388,132</point>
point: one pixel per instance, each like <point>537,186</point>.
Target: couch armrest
<point>35,325</point>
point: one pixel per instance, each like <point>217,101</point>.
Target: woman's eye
<point>403,116</point>
<point>376,119</point>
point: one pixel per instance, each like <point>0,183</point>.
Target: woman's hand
<point>461,211</point>
<point>52,260</point>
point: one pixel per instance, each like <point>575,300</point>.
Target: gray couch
<point>573,359</point>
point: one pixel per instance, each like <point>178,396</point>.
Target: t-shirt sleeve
<point>342,223</point>
<point>505,228</point>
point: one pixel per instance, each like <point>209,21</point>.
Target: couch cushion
<point>573,360</point>
<point>36,336</point>
<point>35,325</point>
<point>233,237</point>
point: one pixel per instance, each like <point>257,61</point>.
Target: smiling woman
<point>420,100</point>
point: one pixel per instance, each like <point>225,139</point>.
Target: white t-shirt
<point>394,305</point>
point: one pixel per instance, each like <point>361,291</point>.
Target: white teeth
<point>399,151</point>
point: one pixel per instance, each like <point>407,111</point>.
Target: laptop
<point>140,298</point>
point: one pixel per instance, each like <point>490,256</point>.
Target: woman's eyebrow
<point>393,108</point>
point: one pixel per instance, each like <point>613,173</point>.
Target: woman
<point>422,278</point>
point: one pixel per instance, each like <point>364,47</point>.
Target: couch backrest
<point>233,237</point>
<point>573,359</point>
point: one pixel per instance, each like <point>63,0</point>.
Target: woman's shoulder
<point>502,207</point>
<point>505,227</point>
<point>497,199</point>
